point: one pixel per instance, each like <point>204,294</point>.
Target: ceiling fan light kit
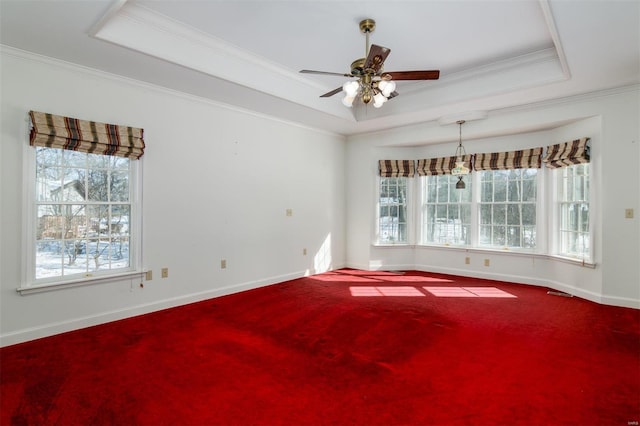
<point>372,84</point>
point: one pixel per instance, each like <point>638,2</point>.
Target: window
<point>573,211</point>
<point>507,208</point>
<point>83,191</point>
<point>446,211</point>
<point>83,208</point>
<point>392,210</point>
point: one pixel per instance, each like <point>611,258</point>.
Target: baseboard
<point>33,333</point>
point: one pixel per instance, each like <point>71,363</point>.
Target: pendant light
<point>460,170</point>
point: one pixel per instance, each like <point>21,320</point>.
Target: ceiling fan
<point>372,82</point>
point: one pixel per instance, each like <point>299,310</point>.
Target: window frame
<point>539,226</point>
<point>557,201</point>
<point>410,230</point>
<point>29,283</point>
<point>423,202</point>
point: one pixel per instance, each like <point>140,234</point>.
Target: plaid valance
<point>523,159</point>
<point>396,168</point>
<point>567,154</point>
<point>55,131</point>
<point>440,166</point>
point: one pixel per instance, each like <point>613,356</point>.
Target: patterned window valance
<point>523,159</point>
<point>56,131</point>
<point>567,154</point>
<point>396,168</point>
<point>440,166</point>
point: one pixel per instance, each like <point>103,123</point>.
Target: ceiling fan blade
<point>325,73</point>
<point>376,57</point>
<point>413,75</point>
<point>393,95</point>
<point>331,93</point>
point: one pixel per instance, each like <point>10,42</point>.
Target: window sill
<point>509,252</point>
<point>59,285</point>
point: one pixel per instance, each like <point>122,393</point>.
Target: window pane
<point>119,186</point>
<point>82,230</point>
<point>485,214</point>
<point>443,190</point>
<point>573,234</point>
<point>72,188</point>
<point>499,214</point>
<point>529,190</point>
<point>49,225</point>
<point>432,191</point>
<point>98,185</point>
<point>514,191</point>
<point>445,217</point>
<point>74,159</point>
<point>528,214</point>
<point>509,206</point>
<point>485,235</point>
<point>46,157</point>
<point>49,259</point>
<point>529,236</point>
<point>487,192</point>
<point>500,190</point>
<point>513,214</point>
<point>499,236</point>
<point>392,223</point>
<point>513,236</point>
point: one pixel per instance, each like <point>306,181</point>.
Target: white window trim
<point>28,283</point>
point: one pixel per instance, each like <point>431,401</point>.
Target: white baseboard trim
<point>47,330</point>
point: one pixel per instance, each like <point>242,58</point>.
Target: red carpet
<point>342,348</point>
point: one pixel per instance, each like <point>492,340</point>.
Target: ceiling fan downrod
<point>367,26</point>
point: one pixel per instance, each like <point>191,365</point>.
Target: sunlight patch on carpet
<point>469,292</point>
<point>369,291</point>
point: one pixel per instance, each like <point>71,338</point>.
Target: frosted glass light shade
<point>350,88</point>
<point>348,100</point>
<point>460,169</point>
<point>387,87</point>
<point>378,100</point>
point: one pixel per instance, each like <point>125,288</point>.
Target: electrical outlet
<point>165,272</point>
<point>289,212</point>
<point>148,275</point>
<point>628,213</point>
<point>223,264</point>
<point>487,262</point>
<point>304,251</point>
<point>467,260</point>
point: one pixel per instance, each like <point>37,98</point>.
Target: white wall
<point>610,119</point>
<point>217,183</point>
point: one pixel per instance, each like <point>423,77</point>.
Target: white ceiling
<point>492,54</point>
